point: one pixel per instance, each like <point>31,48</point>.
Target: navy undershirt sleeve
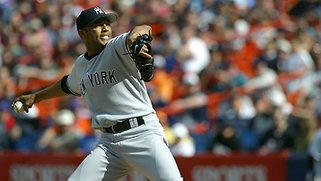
<point>64,85</point>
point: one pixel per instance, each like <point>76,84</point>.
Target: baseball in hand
<point>18,107</point>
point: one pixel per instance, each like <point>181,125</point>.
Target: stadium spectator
<point>62,137</point>
<point>234,116</point>
<point>279,138</point>
<point>304,111</point>
<point>184,144</point>
<point>192,105</point>
<point>193,54</point>
<point>9,130</point>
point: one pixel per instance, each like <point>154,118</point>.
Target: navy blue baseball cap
<point>91,15</point>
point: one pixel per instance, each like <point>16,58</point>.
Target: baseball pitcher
<point>110,77</point>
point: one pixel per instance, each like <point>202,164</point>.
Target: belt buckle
<point>133,122</point>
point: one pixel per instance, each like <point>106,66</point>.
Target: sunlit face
<point>96,35</point>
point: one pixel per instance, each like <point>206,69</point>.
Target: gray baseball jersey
<point>110,84</point>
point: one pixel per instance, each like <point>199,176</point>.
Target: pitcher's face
<point>96,35</point>
<point>102,32</point>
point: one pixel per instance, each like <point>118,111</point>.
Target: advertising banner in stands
<point>235,167</point>
<point>57,167</point>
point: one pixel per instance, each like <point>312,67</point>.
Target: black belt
<point>125,125</point>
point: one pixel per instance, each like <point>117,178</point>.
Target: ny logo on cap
<point>98,10</point>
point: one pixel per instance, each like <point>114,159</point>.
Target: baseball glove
<point>144,65</point>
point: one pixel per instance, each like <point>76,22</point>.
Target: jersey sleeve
<point>120,44</point>
<point>74,81</point>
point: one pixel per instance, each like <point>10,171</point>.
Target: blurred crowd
<point>230,75</point>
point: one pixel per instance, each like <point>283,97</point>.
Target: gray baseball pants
<point>141,149</point>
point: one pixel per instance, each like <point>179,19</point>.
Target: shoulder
<point>80,61</point>
<point>119,37</point>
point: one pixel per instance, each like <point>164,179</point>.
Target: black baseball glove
<point>144,65</point>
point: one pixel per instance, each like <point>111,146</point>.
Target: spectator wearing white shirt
<point>194,54</point>
<point>184,144</point>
